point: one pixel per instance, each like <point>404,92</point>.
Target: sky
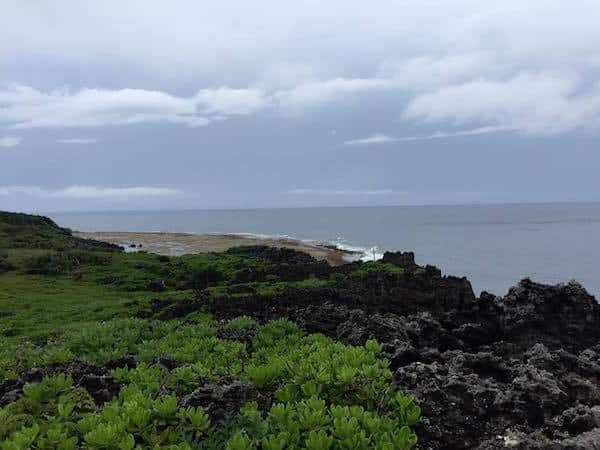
<point>148,104</point>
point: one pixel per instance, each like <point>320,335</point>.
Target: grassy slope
<point>41,307</point>
<point>64,299</point>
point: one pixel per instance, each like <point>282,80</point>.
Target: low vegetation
<point>68,304</point>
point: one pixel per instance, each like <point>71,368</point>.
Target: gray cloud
<point>379,138</point>
<point>90,192</point>
<point>315,93</point>
<point>24,107</point>
<point>77,141</point>
<point>535,103</point>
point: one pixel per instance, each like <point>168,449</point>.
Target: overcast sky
<point>191,104</point>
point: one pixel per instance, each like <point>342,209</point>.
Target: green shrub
<point>368,268</point>
<point>109,341</point>
<point>42,409</point>
<point>311,424</point>
<point>266,374</point>
<point>57,355</point>
<point>54,414</point>
<point>136,418</point>
<point>203,277</point>
<point>306,366</point>
<point>147,379</point>
<point>17,358</point>
<point>184,379</point>
<point>324,389</point>
<point>242,323</point>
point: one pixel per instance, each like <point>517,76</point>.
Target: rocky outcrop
<point>221,401</point>
<point>561,316</point>
<point>404,260</point>
<point>283,264</point>
<point>272,254</point>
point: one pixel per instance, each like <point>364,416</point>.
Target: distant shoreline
<point>176,244</point>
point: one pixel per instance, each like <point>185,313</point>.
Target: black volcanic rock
<point>405,260</point>
<point>488,372</point>
<point>272,254</point>
<point>284,264</point>
<point>561,316</point>
<point>221,401</point>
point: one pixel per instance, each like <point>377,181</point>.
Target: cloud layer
<point>379,138</point>
<point>77,141</point>
<point>243,116</point>
<point>23,107</point>
<point>533,103</point>
<point>531,67</point>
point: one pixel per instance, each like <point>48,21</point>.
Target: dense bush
<point>5,264</point>
<point>206,276</point>
<point>311,424</point>
<point>375,267</point>
<point>329,395</point>
<point>64,262</point>
<point>56,415</point>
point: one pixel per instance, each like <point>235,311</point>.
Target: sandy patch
<point>175,244</point>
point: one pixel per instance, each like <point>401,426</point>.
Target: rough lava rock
<point>224,400</point>
<point>405,260</point>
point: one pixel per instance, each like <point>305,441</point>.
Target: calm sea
<point>494,245</point>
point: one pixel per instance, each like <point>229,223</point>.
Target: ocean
<point>493,245</point>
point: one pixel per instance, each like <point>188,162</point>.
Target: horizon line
<point>416,205</point>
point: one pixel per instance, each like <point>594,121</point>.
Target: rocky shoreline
<point>520,371</point>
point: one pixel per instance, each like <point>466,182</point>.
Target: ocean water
<point>493,245</point>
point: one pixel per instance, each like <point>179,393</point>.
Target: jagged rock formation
<point>405,260</point>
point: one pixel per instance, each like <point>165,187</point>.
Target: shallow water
<point>493,245</point>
